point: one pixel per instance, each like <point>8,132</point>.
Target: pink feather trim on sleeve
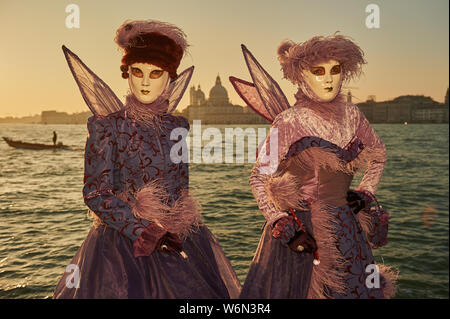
<point>182,218</point>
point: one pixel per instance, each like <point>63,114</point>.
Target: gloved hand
<point>170,242</point>
<point>357,200</point>
<point>303,242</point>
<point>148,240</point>
<point>155,237</point>
<point>290,234</point>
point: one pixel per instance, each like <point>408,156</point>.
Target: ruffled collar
<point>146,114</point>
<point>332,110</point>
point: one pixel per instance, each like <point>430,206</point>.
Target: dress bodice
<point>122,156</point>
<point>322,153</point>
<point>317,179</point>
<point>143,154</point>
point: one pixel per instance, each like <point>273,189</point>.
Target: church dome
<point>218,94</point>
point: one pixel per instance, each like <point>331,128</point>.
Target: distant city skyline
<point>215,108</point>
<point>182,108</point>
<point>407,55</point>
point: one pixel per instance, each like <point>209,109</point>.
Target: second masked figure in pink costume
<point>319,235</point>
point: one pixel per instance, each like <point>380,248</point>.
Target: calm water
<point>43,218</point>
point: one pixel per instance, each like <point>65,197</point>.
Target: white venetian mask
<point>324,79</point>
<point>147,81</point>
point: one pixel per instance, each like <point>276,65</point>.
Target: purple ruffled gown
<point>121,157</point>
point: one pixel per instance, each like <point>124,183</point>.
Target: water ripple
<point>44,219</point>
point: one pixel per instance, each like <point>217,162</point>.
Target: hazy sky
<point>408,54</point>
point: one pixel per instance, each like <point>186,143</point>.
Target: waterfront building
<point>54,117</point>
<point>406,108</point>
<point>218,109</point>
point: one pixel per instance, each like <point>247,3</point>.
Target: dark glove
<point>148,240</point>
<point>155,237</point>
<point>170,242</point>
<point>290,234</point>
<point>285,229</point>
<point>303,242</point>
<point>357,201</point>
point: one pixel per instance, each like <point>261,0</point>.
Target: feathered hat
<point>150,41</point>
<point>296,57</point>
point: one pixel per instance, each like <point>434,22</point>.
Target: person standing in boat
<point>55,137</point>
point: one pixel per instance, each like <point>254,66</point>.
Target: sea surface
<point>43,218</point>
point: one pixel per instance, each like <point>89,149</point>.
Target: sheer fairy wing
<point>247,91</point>
<point>98,96</point>
<point>271,95</point>
<point>178,87</point>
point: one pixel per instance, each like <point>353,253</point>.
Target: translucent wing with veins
<point>178,87</point>
<point>247,91</point>
<point>264,95</point>
<point>99,97</point>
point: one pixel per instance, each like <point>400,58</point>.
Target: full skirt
<point>105,267</point>
<point>347,268</point>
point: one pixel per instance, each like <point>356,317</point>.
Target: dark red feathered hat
<point>159,43</point>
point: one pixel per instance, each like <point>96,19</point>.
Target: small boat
<point>35,146</point>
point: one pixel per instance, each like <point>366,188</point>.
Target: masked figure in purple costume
<point>148,240</point>
<point>319,234</point>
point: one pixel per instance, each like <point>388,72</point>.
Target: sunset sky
<point>408,54</point>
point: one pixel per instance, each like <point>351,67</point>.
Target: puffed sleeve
<point>261,171</point>
<point>375,153</point>
<point>100,156</point>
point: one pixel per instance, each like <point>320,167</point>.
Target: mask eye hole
<point>155,74</point>
<point>335,69</point>
<point>137,72</point>
<point>318,70</point>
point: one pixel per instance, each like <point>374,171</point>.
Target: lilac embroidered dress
<point>307,164</point>
<point>121,157</point>
<point>318,158</point>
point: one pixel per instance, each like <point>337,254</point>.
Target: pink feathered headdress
<point>296,57</point>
